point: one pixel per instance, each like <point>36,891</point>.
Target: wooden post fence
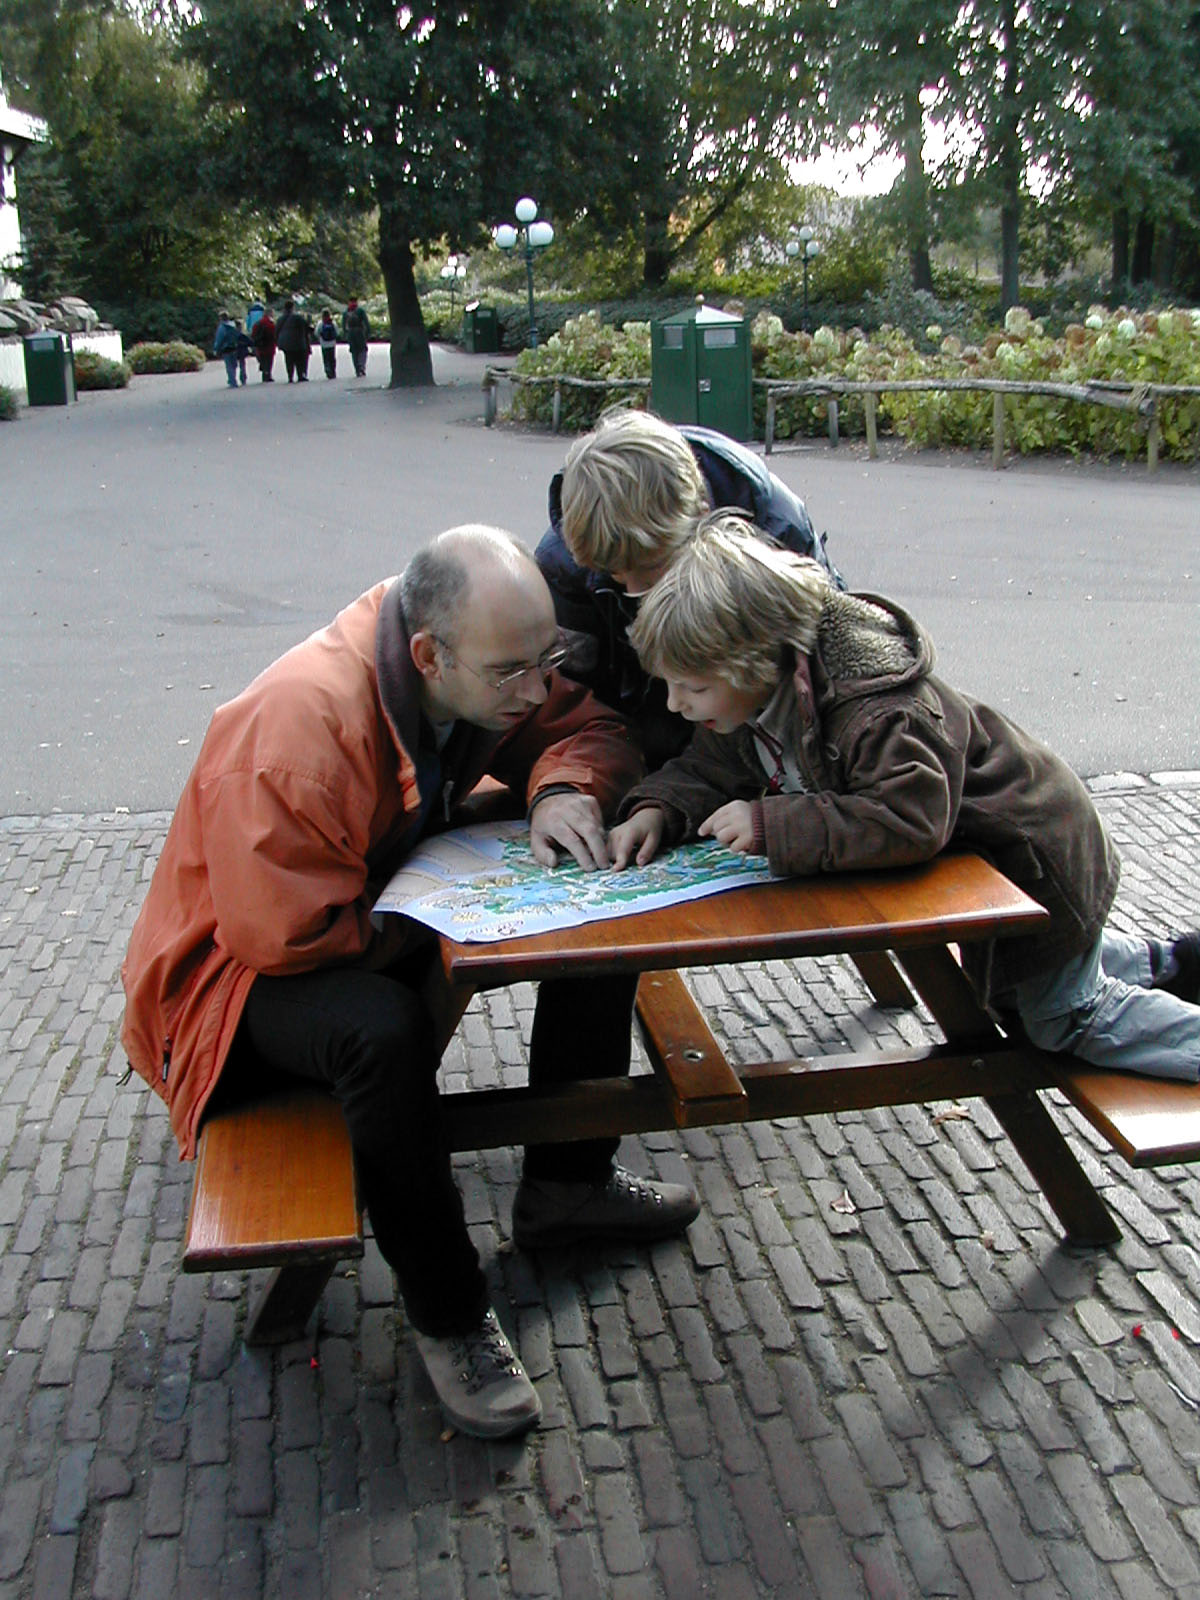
<point>1140,399</point>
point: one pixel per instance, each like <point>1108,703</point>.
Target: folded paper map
<point>481,883</point>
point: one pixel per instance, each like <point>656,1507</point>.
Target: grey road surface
<point>161,544</point>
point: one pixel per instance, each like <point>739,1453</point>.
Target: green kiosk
<point>700,370</point>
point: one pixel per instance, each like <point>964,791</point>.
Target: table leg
<point>887,985</point>
<point>1035,1136</point>
<point>447,1002</point>
<point>287,1301</point>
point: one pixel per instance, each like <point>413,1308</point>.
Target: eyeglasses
<point>549,659</point>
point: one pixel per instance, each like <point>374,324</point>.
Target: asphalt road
<point>161,544</point>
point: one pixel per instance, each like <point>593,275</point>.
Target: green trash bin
<point>49,368</point>
<point>481,329</point>
<point>700,371</point>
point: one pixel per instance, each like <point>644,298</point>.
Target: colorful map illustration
<point>481,883</point>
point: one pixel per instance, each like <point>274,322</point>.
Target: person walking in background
<point>356,326</point>
<point>253,312</point>
<point>293,335</point>
<point>262,335</point>
<point>225,345</point>
<point>245,347</point>
<point>327,338</point>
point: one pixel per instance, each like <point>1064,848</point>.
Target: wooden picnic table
<point>306,1221</point>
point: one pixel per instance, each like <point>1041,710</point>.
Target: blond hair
<point>732,604</point>
<point>631,493</point>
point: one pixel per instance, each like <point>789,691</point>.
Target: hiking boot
<point>483,1388</point>
<point>1181,964</point>
<point>624,1207</point>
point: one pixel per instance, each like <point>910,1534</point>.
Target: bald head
<point>480,620</point>
<point>463,570</point>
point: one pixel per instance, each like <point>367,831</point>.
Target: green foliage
<point>9,404</point>
<point>911,310</point>
<point>584,347</point>
<point>149,321</point>
<point>125,204</point>
<point>93,371</point>
<point>704,96</point>
<point>51,248</point>
<point>174,357</point>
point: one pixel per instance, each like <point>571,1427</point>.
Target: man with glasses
<point>255,952</point>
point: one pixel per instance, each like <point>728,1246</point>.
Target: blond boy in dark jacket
<point>826,743</point>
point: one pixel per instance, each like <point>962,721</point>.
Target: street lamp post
<point>453,273</point>
<point>533,235</point>
<point>806,247</point>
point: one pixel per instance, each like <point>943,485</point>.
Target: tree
<point>435,120</point>
<point>893,64</point>
<point>122,204</point>
<point>1136,151</point>
<point>1020,65</point>
<point>704,98</point>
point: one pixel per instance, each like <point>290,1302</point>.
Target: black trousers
<point>368,1037</point>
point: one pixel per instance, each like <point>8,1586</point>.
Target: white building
<point>17,132</point>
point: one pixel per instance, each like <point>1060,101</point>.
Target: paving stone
<point>971,1391</point>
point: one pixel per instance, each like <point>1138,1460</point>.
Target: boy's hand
<point>638,839</point>
<point>571,822</point>
<point>731,825</point>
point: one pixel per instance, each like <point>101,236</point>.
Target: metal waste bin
<point>481,329</point>
<point>700,370</point>
<point>49,369</point>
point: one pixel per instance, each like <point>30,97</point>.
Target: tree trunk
<point>1010,255</point>
<point>1143,250</point>
<point>1120,248</point>
<point>1008,154</point>
<point>656,258</point>
<point>1166,253</point>
<point>916,197</point>
<point>412,366</point>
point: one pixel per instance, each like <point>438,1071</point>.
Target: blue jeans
<point>1100,1007</point>
<point>231,368</point>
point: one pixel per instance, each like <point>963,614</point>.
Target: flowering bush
<point>98,372</point>
<point>175,356</point>
<point>8,404</point>
<point>1117,347</point>
<point>583,348</point>
<point>1122,347</point>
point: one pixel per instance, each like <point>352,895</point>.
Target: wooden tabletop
<point>952,899</point>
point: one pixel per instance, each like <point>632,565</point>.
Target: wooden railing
<point>559,381</point>
<point>1140,399</point>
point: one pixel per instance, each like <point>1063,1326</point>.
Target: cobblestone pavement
<point>871,1369</point>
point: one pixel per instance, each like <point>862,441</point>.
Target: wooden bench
<point>274,1187</point>
<point>1152,1122</point>
<point>274,1184</point>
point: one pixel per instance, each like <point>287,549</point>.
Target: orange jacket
<point>303,801</point>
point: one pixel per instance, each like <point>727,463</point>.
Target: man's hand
<point>637,839</point>
<point>571,822</point>
<point>731,825</point>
